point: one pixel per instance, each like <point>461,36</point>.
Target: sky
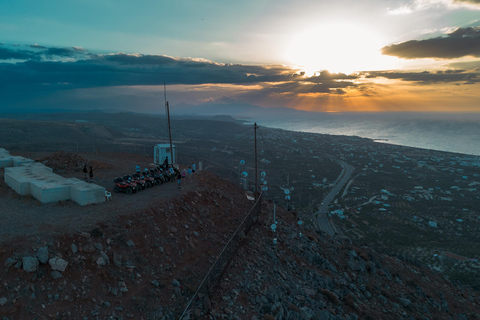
<point>314,55</point>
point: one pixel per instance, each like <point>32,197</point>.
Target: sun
<point>338,47</point>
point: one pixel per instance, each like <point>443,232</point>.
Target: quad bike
<point>141,184</point>
<point>122,185</point>
<point>148,177</point>
<point>158,176</point>
<point>148,182</point>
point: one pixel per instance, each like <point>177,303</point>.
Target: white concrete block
<point>47,191</point>
<point>85,193</point>
<point>18,161</point>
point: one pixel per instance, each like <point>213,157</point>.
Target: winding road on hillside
<point>322,213</point>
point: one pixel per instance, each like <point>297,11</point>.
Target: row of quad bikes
<point>140,181</point>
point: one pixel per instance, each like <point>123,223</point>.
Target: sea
<point>452,132</point>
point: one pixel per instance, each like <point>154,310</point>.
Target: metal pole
<point>168,119</point>
<point>255,128</point>
<point>170,134</point>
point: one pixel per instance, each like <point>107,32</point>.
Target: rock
<point>9,262</point>
<point>117,260</point>
<point>30,264</point>
<point>18,265</point>
<point>58,264</point>
<point>85,235</point>
<point>74,248</point>
<point>98,246</point>
<point>306,313</point>
<point>175,283</point>
<point>178,292</point>
<point>3,301</point>
<point>105,257</point>
<point>42,254</point>
<point>100,261</point>
<point>405,302</point>
<point>130,243</point>
<point>309,291</point>
<point>122,286</point>
<point>55,274</point>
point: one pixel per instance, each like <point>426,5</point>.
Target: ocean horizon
<point>451,132</point>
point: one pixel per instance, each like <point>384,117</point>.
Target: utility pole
<point>255,127</point>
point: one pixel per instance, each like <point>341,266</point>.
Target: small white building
<point>162,151</point>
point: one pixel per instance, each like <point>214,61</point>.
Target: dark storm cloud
<point>8,54</point>
<point>60,52</point>
<point>427,77</point>
<point>460,43</point>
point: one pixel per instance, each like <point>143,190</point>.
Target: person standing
<point>166,162</point>
<point>193,168</point>
<point>172,173</point>
<point>85,172</point>
<point>179,179</point>
<point>91,173</point>
<point>137,168</point>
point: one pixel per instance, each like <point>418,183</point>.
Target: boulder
<point>42,254</point>
<point>30,264</point>
<point>58,264</point>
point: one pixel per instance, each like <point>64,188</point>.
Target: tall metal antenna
<point>255,127</point>
<point>168,119</point>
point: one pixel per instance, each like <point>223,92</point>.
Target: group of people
<point>87,172</point>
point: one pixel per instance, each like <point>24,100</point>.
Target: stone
<point>55,274</point>
<point>58,264</point>
<point>175,283</point>
<point>405,302</point>
<point>105,257</point>
<point>117,260</point>
<point>155,283</point>
<point>9,262</point>
<point>130,243</point>
<point>306,313</point>
<point>100,261</point>
<point>42,254</point>
<point>74,248</point>
<point>85,235</point>
<point>98,246</point>
<point>3,301</point>
<point>30,264</point>
<point>177,291</point>
<point>122,286</point>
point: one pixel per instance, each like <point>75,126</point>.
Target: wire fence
<point>214,275</point>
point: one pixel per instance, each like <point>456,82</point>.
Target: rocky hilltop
<point>147,264</point>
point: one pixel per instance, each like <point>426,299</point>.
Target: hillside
<point>143,257</point>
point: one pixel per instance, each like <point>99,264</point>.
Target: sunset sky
<point>342,55</point>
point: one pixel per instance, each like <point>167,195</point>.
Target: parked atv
<point>149,179</point>
<point>158,176</point>
<point>140,183</point>
<point>146,182</point>
<point>122,185</point>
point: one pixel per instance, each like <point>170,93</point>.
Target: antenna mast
<point>255,127</point>
<point>168,119</point>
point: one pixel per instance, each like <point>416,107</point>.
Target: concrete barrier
<point>26,176</point>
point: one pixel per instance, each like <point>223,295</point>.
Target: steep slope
<point>315,276</point>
